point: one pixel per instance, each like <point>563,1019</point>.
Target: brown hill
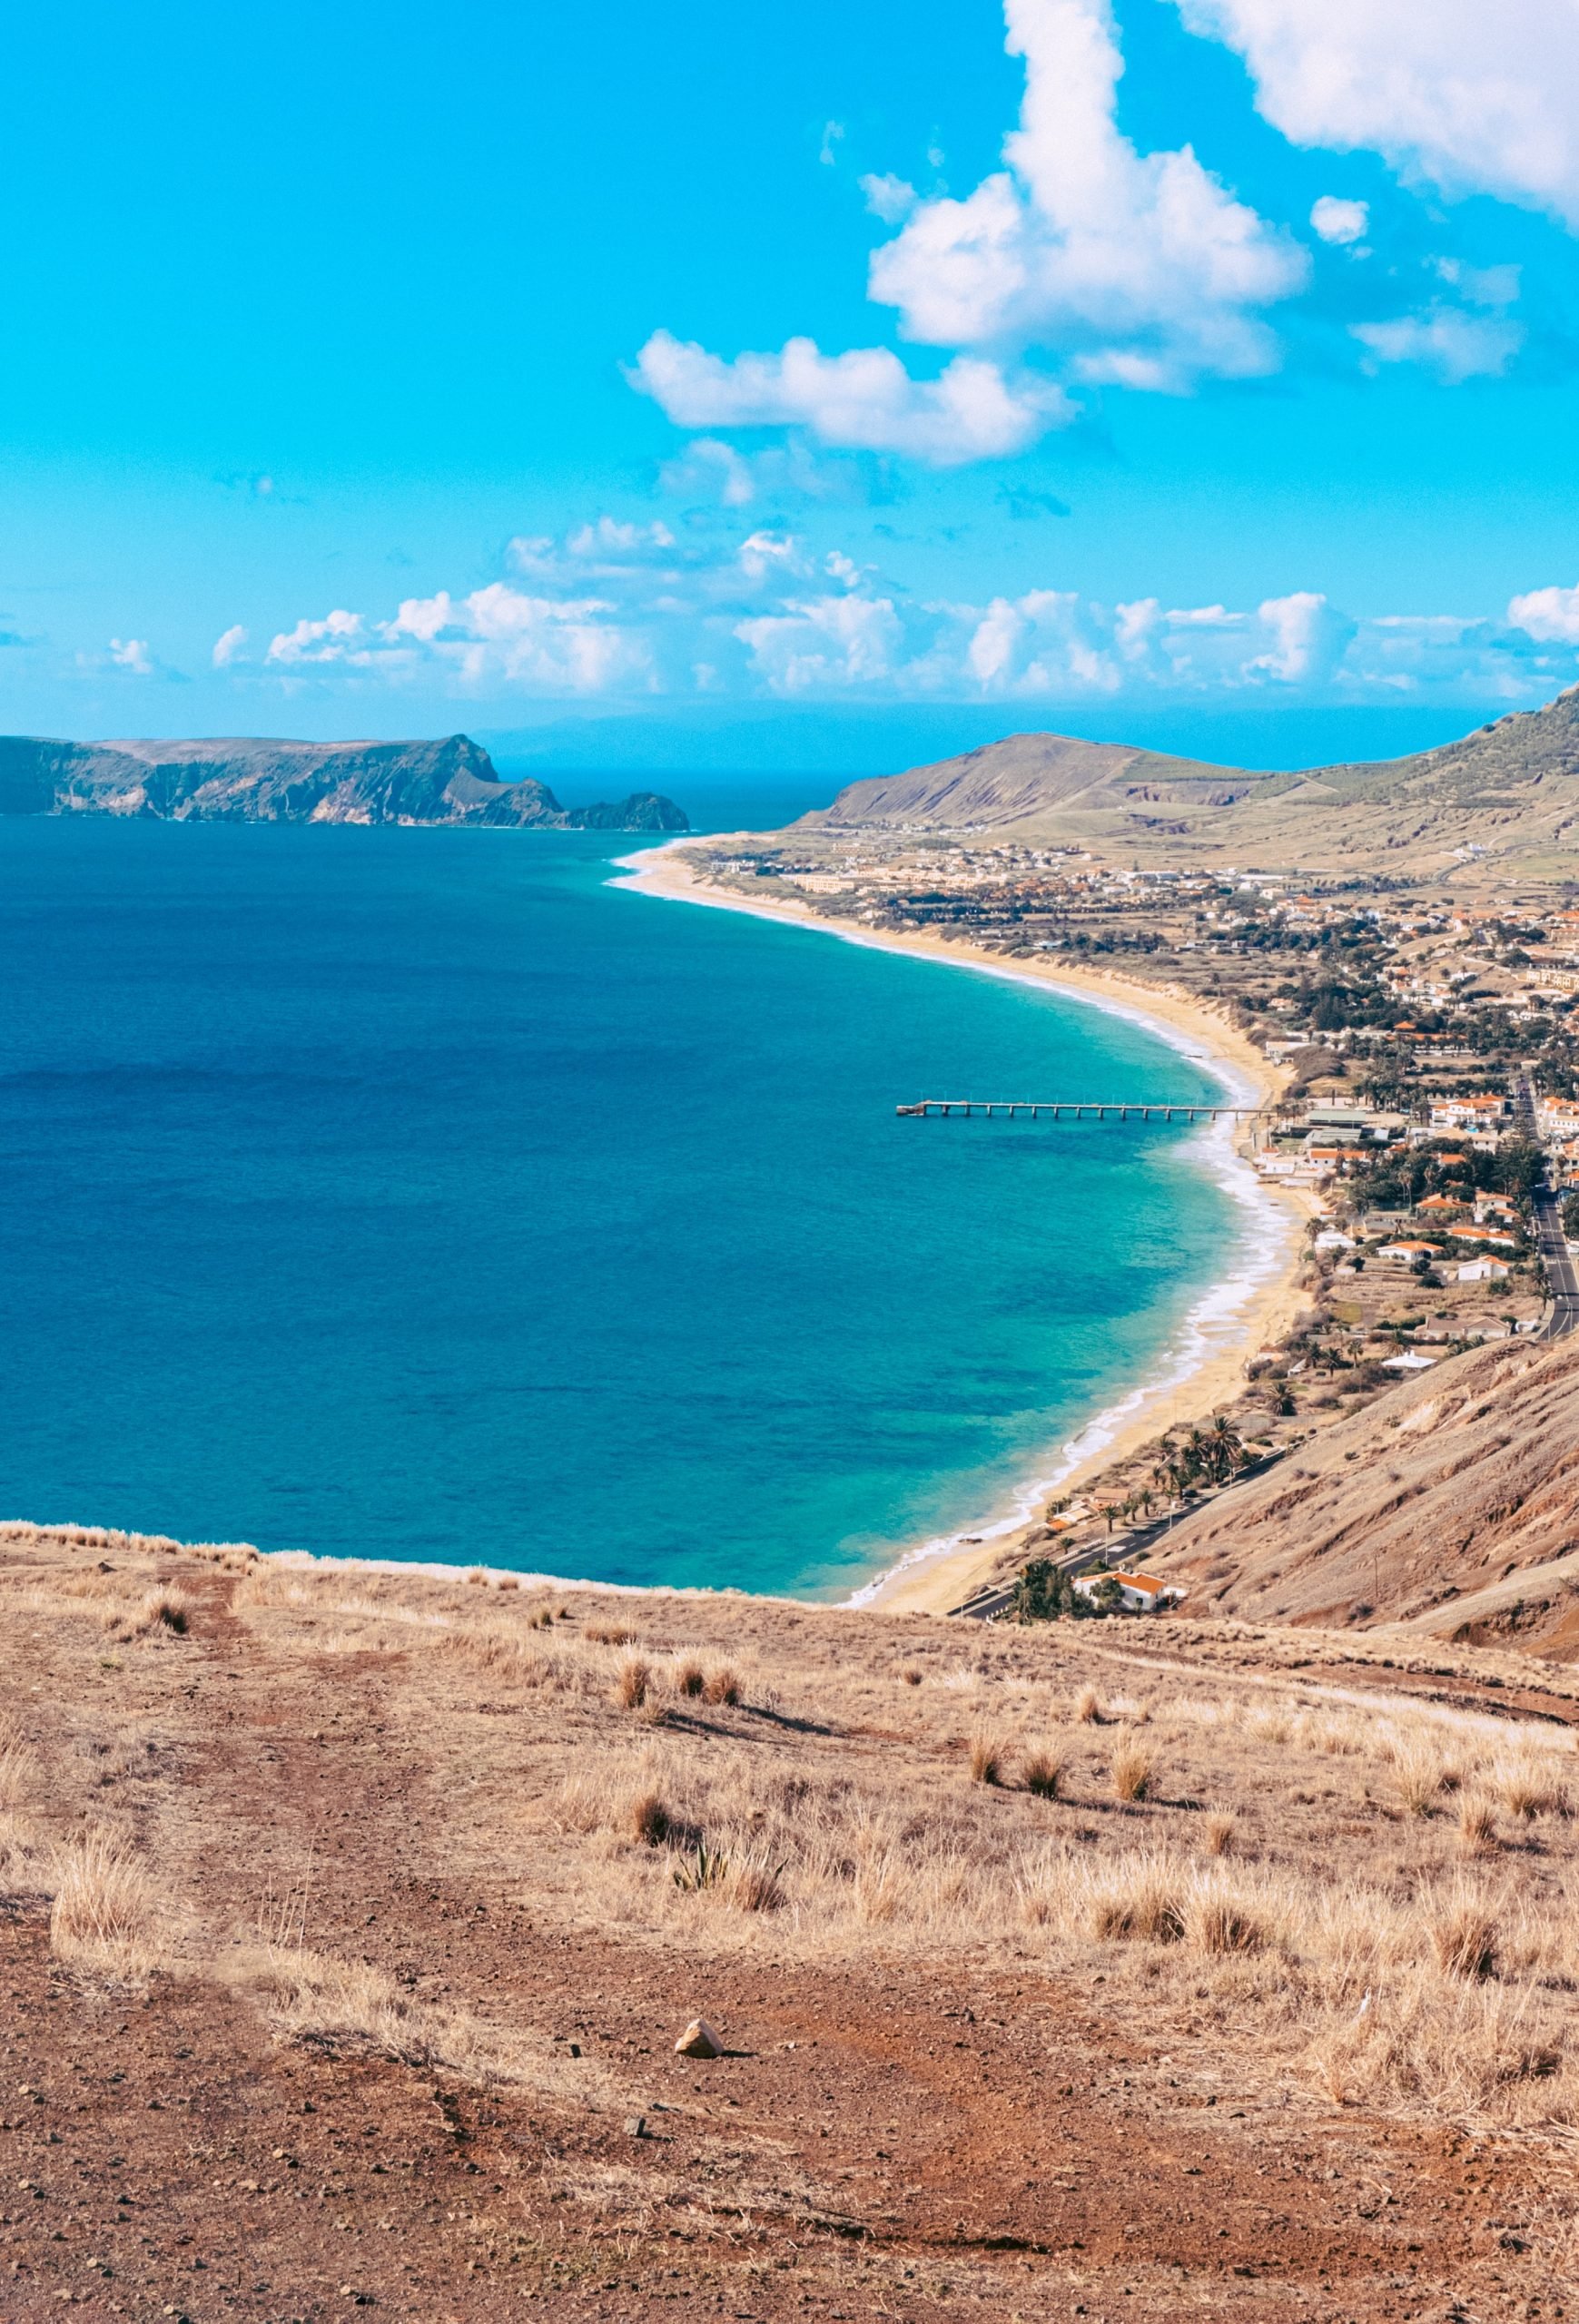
<point>1509,792</point>
<point>1450,1506</point>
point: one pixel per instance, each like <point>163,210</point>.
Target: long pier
<point>1122,1108</point>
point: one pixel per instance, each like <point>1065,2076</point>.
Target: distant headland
<point>452,780</point>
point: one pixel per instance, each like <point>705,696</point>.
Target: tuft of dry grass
<point>1463,1935</point>
<point>910,1675</point>
<point>609,1634</point>
<point>722,1684</point>
<point>1043,1772</point>
<point>650,1820</point>
<point>987,1758</point>
<point>509,1581</point>
<point>1088,1706</point>
<point>1133,1769</point>
<point>19,1773</point>
<point>1478,1824</point>
<point>1528,1785</point>
<point>1222,1833</point>
<point>633,1683</point>
<point>1419,1775</point>
<point>102,1917</point>
<point>690,1678</point>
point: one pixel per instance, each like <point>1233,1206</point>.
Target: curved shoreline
<point>1202,1365</point>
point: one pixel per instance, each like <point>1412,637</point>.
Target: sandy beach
<point>1208,1372</point>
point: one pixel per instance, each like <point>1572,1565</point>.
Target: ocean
<point>421,1195</point>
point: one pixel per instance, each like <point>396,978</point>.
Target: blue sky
<point>835,383</point>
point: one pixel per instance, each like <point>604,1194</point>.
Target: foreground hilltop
<point>1511,790</point>
<point>448,782</point>
<point>350,1917</point>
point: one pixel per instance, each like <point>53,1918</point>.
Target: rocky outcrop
<point>242,781</point>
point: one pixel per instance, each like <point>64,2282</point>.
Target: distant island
<point>452,780</point>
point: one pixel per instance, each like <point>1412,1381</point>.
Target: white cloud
<point>863,400</point>
<point>833,138</point>
<point>1470,97</point>
<point>714,471</point>
<point>1339,221</point>
<point>888,197</point>
<point>1141,268</point>
<point>1550,615</point>
<point>1454,344</point>
<point>607,538</point>
<point>340,637</point>
<point>230,647</point>
<point>132,654</point>
<point>825,645</point>
<point>766,611</point>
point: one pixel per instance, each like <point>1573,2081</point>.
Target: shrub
<point>1133,1771</point>
<point>1043,1774</point>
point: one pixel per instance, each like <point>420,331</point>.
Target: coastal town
<point>1421,1041</point>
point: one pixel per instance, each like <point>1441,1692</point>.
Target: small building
<point>1139,1593</point>
<point>1410,1252</point>
<point>1484,1271</point>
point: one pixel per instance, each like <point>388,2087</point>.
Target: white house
<point>1484,1271</point>
<point>1139,1593</point>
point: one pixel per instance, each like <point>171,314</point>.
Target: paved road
<point>1561,1276</point>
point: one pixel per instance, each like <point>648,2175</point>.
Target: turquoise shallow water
<point>418,1195</point>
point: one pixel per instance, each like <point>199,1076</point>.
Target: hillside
<point>1451,1506</point>
<point>348,1919</point>
<point>1511,789</point>
<point>448,782</point>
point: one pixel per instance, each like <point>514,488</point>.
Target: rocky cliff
<point>448,782</point>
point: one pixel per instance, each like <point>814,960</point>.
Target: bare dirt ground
<point>397,1965</point>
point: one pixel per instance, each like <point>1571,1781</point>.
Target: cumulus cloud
<point>230,647</point>
<point>1136,269</point>
<point>1551,615</point>
<point>1339,221</point>
<point>765,612</point>
<point>863,401</point>
<point>133,653</point>
<point>1448,340</point>
<point>888,197</point>
<point>1468,98</point>
<point>1140,267</point>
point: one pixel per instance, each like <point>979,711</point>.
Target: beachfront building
<point>1410,1252</point>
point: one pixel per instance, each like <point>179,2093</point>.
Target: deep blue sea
<point>420,1194</point>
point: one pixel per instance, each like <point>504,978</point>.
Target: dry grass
<point>1132,1768</point>
<point>1478,1824</point>
<point>632,1682</point>
<point>101,1919</point>
<point>840,1832</point>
